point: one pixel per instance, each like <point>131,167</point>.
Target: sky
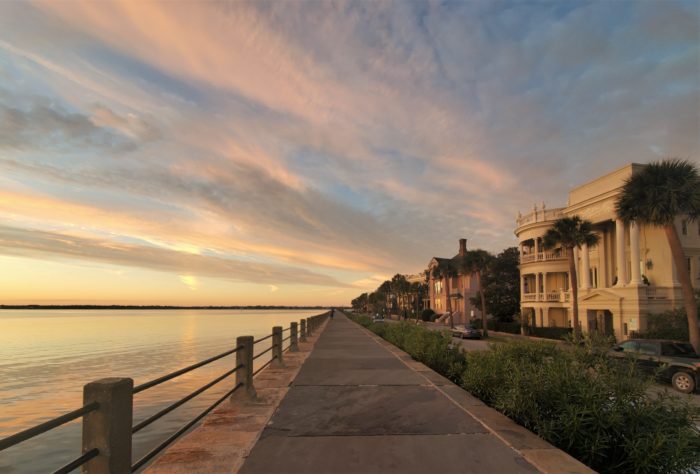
<point>289,152</point>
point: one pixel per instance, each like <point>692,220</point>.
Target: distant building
<point>461,287</point>
<point>627,275</point>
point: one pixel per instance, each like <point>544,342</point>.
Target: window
<point>629,346</point>
<point>438,287</point>
<point>648,348</point>
<point>677,349</point>
<point>684,227</point>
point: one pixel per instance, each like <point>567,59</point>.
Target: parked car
<point>469,331</point>
<point>378,318</point>
<point>670,361</point>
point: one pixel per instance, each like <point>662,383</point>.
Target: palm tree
<point>570,233</point>
<point>477,262</point>
<point>657,195</point>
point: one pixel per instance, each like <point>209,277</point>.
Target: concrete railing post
<point>302,336</point>
<point>293,340</point>
<point>277,347</point>
<point>244,359</point>
<point>109,427</point>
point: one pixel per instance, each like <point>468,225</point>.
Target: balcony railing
<point>548,256</point>
<point>540,216</point>
<point>551,297</point>
<point>108,404</point>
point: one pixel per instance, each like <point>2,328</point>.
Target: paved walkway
<point>357,406</point>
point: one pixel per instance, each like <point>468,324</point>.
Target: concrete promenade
<point>360,405</point>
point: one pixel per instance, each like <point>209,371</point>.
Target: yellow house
<point>627,275</point>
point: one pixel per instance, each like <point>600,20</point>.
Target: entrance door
<point>600,321</point>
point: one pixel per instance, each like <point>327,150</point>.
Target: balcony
<point>540,216</point>
<point>548,256</point>
<point>551,297</point>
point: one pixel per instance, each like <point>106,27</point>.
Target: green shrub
<point>550,333</point>
<point>671,324</point>
<point>512,327</point>
<point>581,401</point>
<point>433,348</point>
<point>427,314</point>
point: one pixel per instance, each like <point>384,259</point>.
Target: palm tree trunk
<point>448,303</point>
<point>691,309</point>
<point>485,329</point>
<point>574,293</point>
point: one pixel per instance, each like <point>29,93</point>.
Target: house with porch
<point>629,274</point>
<point>461,287</point>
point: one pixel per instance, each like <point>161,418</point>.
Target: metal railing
<point>107,411</point>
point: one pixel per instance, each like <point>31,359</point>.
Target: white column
<point>537,249</point>
<point>522,286</point>
<point>544,285</point>
<point>620,252</point>
<point>636,277</point>
<point>585,268</point>
<point>576,267</point>
<point>537,286</point>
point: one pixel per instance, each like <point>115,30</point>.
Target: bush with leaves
<point>427,314</point>
<point>591,406</point>
<point>672,324</point>
<point>433,348</point>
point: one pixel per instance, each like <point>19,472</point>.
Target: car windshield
<point>678,349</point>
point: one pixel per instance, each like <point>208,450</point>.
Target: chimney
<point>462,247</point>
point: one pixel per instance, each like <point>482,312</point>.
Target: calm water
<point>47,356</point>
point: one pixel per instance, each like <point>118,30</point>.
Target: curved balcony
<point>548,256</point>
<point>540,216</point>
<point>550,297</point>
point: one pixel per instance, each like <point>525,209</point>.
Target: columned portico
<point>620,253</point>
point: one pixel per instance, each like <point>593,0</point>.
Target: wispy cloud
<point>345,141</point>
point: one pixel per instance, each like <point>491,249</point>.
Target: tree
<point>417,289</point>
<point>570,233</point>
<point>501,285</point>
<point>659,194</point>
<point>477,262</point>
<point>400,288</point>
<point>383,293</point>
<point>448,272</point>
<point>360,303</point>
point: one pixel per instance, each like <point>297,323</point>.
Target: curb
<point>547,458</point>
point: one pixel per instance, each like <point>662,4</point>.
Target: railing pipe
<point>108,429</point>
<point>277,347</point>
<point>244,359</point>
<point>293,345</point>
<point>107,412</point>
<point>46,426</point>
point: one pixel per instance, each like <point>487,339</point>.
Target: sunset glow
<point>196,153</point>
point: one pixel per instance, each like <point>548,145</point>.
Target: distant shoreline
<point>87,306</point>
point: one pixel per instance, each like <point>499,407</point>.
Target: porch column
<point>585,268</point>
<point>522,287</point>
<point>544,285</point>
<point>537,248</point>
<point>537,286</point>
<point>577,266</point>
<point>636,277</point>
<point>620,253</point>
